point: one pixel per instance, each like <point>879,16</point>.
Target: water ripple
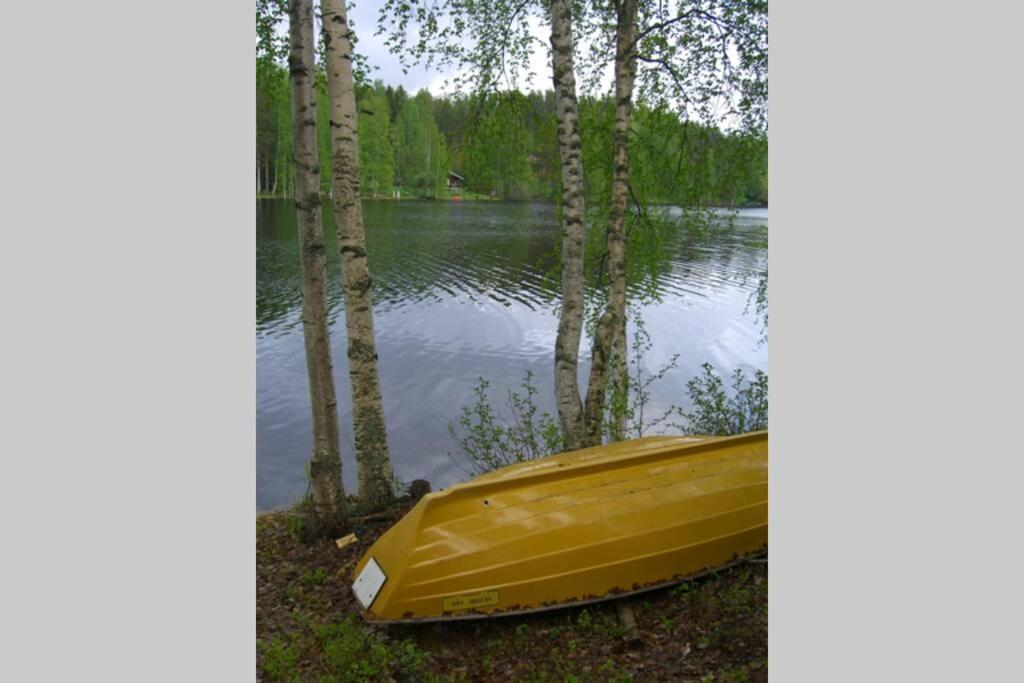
<point>462,291</point>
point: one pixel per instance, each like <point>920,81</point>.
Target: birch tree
<point>706,60</point>
<point>570,321</point>
<point>375,473</point>
<point>609,342</point>
<point>327,504</point>
<point>497,57</point>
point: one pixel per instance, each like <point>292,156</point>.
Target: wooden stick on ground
<point>628,621</point>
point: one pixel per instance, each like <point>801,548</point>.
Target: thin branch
<point>665,65</point>
<point>665,24</point>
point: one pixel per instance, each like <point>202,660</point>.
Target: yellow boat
<point>571,528</point>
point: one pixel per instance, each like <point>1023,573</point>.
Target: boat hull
<point>577,527</point>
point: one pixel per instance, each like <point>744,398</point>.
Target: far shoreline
<point>502,201</point>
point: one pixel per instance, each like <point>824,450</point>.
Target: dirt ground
<point>714,628</point>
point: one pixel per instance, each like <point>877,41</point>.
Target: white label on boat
<point>368,583</point>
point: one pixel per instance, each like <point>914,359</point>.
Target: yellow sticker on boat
<point>470,601</point>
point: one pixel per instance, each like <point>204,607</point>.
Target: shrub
<point>717,413</point>
<point>489,441</point>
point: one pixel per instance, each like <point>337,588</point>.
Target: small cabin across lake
<point>455,181</point>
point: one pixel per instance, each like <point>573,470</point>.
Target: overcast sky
<point>384,66</point>
<point>364,16</point>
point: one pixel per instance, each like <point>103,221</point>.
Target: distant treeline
<point>505,147</point>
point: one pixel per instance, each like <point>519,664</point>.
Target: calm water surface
<point>461,292</point>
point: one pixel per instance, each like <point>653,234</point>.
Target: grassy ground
<point>308,629</point>
<point>447,193</point>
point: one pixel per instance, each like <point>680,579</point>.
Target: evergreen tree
<point>497,157</point>
<point>376,156</point>
<point>421,153</point>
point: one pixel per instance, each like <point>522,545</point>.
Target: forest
<point>504,145</point>
<point>681,134</point>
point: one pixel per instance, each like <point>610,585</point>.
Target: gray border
<point>127,367</point>
<point>894,247</point>
<point>127,378</point>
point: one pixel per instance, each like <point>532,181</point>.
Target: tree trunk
<point>570,322</point>
<point>375,474</point>
<point>609,346</point>
<point>263,177</point>
<point>621,378</point>
<point>328,498</point>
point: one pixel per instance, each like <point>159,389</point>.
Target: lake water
<point>461,291</point>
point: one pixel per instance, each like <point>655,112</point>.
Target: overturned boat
<point>577,527</point>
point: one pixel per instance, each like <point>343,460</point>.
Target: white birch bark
<point>328,500</point>
<point>375,473</point>
<point>570,322</point>
<point>609,345</point>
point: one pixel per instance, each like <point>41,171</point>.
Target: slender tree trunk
<point>328,498</point>
<point>570,322</point>
<point>621,379</point>
<point>609,347</point>
<point>263,175</point>
<point>375,473</point>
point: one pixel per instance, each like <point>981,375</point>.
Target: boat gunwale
<point>471,487</point>
<point>744,558</point>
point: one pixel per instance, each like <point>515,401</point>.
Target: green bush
<point>717,413</point>
<point>489,441</point>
